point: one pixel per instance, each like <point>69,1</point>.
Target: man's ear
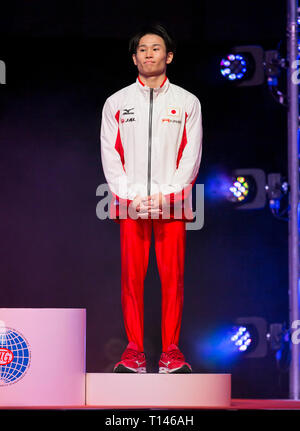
<point>134,58</point>
<point>170,56</point>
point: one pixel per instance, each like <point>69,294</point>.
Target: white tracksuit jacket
<point>151,141</point>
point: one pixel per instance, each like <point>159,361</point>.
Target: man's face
<point>151,57</point>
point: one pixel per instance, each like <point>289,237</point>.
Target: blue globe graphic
<point>17,344</point>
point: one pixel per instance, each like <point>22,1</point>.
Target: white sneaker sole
<point>184,370</point>
<point>163,370</point>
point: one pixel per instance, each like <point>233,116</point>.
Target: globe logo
<point>14,356</point>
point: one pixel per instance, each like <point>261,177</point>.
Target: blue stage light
<point>246,64</point>
<point>249,337</point>
<point>228,343</point>
<point>233,67</point>
<point>239,189</point>
<point>243,188</point>
<point>241,338</point>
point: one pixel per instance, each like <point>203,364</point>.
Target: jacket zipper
<point>150,142</point>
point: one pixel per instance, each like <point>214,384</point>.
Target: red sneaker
<point>132,360</point>
<point>172,361</point>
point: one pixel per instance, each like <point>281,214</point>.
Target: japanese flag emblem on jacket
<point>173,112</point>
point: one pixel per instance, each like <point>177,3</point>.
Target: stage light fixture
<point>244,65</point>
<point>241,338</point>
<point>248,189</point>
<point>250,65</point>
<point>250,336</point>
<point>239,189</point>
<point>245,337</point>
<point>233,67</point>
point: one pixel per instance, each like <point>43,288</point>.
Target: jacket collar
<point>161,89</point>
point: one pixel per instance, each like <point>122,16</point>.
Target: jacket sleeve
<point>189,154</point>
<point>112,156</point>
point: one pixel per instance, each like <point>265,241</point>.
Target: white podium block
<point>42,357</point>
<point>114,390</point>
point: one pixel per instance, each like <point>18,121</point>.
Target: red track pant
<point>170,237</point>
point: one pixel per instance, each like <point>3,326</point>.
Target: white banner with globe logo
<point>14,355</point>
<point>42,356</point>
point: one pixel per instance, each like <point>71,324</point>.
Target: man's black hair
<point>157,29</point>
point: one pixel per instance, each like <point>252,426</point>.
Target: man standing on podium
<point>151,145</point>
